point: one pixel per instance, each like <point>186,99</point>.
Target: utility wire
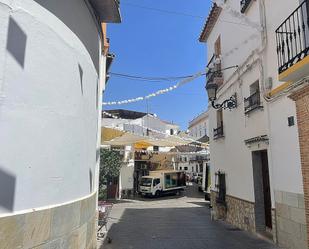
<point>163,11</point>
<point>179,13</point>
<point>145,78</point>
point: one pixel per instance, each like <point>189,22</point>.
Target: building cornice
<point>210,22</point>
<point>198,119</point>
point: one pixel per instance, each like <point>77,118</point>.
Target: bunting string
<point>154,94</point>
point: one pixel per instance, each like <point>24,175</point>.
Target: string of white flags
<point>157,93</point>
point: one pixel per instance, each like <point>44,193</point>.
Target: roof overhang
<point>108,11</point>
<point>210,22</point>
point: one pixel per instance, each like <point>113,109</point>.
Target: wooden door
<point>266,189</point>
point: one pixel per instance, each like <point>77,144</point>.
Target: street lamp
<point>212,89</point>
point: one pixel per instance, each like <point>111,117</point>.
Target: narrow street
<point>174,222</point>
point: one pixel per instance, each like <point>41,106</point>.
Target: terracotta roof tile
<point>210,22</point>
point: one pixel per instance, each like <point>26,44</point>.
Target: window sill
<point>254,108</point>
<point>218,137</point>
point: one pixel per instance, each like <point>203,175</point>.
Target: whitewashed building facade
<point>52,73</point>
<point>134,164</point>
<point>199,126</point>
<point>255,156</point>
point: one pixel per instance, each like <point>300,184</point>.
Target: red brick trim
<point>301,98</point>
<point>300,93</point>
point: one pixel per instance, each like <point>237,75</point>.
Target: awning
<point>123,140</point>
<point>113,136</point>
<point>142,145</point>
<point>108,134</point>
<point>107,10</point>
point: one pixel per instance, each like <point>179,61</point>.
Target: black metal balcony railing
<point>252,102</point>
<point>244,4</point>
<point>293,37</point>
<point>215,70</point>
<point>199,158</point>
<point>218,132</point>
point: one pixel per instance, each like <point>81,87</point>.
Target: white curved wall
<point>49,63</point>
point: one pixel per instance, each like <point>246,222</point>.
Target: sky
<point>158,44</point>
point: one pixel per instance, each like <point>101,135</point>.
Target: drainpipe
<point>263,76</point>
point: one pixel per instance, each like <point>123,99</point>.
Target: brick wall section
<point>301,98</point>
<point>237,212</point>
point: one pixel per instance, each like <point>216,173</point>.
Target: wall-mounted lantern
<point>212,89</point>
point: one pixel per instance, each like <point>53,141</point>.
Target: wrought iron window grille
<point>244,4</point>
<point>253,102</point>
<point>218,132</point>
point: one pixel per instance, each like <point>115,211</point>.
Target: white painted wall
<point>48,109</point>
<point>285,145</point>
<point>126,176</point>
<point>190,164</point>
<point>234,33</point>
<point>230,153</point>
<point>137,126</point>
<point>199,126</point>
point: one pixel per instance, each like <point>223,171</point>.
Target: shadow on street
<point>174,222</point>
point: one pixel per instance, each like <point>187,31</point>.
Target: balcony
<point>244,4</point>
<point>292,39</point>
<point>199,158</point>
<point>218,132</point>
<point>214,75</point>
<point>253,102</point>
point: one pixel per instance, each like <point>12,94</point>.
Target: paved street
<point>174,222</point>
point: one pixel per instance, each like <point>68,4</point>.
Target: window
<point>180,168</point>
<point>196,168</point>
<point>255,87</point>
<point>185,168</point>
<point>253,101</point>
<point>218,132</point>
<point>205,129</point>
<point>217,49</point>
<point>291,121</point>
<point>192,168</point>
<point>156,181</point>
<point>244,4</point>
<point>219,117</point>
<point>218,46</point>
